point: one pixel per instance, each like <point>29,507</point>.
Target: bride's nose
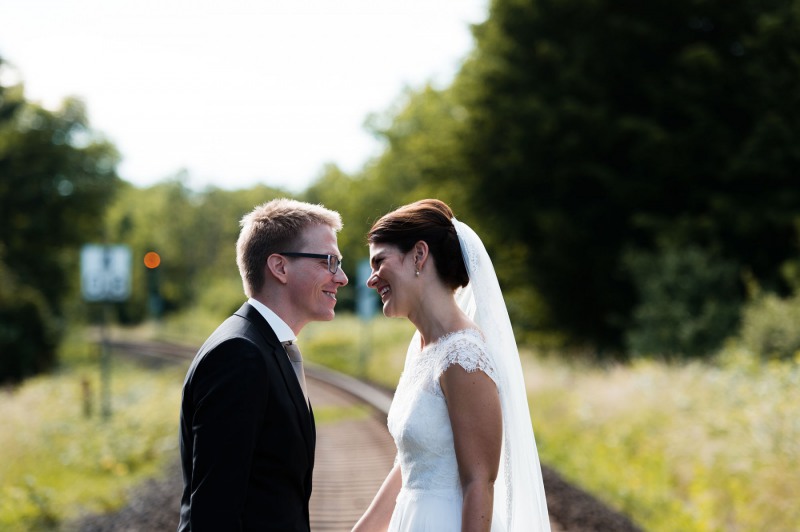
<point>372,280</point>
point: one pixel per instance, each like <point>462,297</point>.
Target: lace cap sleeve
<point>466,348</point>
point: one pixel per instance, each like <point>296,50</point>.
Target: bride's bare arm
<point>379,513</point>
<point>476,418</point>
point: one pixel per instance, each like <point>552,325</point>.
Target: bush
<point>771,326</point>
<point>689,301</point>
<point>28,331</point>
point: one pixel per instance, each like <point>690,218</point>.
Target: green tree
<point>421,133</point>
<point>689,302</point>
<point>28,334</point>
<point>56,177</point>
<point>422,156</point>
<point>194,232</point>
<point>598,127</point>
<point>420,159</point>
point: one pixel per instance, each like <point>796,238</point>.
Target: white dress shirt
<point>282,331</point>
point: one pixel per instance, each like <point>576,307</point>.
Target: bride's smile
<point>391,274</point>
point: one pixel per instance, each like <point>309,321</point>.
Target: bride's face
<point>392,274</point>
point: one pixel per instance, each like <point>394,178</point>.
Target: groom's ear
<point>276,266</point>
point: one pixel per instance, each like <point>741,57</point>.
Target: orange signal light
<point>152,259</point>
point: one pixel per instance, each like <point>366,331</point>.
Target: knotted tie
<point>297,364</point>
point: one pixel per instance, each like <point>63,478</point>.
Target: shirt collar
<point>282,331</point>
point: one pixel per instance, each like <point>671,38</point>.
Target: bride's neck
<point>439,317</point>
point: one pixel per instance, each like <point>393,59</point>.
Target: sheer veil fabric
<point>519,499</point>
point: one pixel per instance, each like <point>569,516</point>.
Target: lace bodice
<point>418,419</point>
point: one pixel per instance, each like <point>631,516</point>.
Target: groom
<point>247,431</point>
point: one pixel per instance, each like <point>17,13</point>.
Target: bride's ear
<point>421,251</point>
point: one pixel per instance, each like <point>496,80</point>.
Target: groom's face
<point>312,286</point>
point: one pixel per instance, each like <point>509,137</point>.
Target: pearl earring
<point>417,273</point>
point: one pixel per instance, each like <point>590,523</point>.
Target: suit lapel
<point>276,350</point>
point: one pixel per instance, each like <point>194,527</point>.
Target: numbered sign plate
<point>105,272</point>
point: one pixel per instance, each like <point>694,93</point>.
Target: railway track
<point>354,454</point>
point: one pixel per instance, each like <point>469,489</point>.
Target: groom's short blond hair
<point>272,227</point>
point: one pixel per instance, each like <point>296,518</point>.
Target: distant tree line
<point>56,178</point>
<point>645,155</point>
<point>633,168</point>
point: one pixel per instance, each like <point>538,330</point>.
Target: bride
<point>466,457</point>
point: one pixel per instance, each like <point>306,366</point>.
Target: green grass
<point>689,447</point>
<point>333,414</point>
<point>692,447</point>
<point>374,350</point>
<point>57,462</point>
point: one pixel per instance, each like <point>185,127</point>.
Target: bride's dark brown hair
<point>429,220</point>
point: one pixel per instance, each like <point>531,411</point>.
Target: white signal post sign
<point>105,272</point>
<point>365,296</point>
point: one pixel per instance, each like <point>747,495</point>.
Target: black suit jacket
<point>247,437</point>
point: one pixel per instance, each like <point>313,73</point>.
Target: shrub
<point>689,301</point>
<point>28,332</point>
<point>771,326</point>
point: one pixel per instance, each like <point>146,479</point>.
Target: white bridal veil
<point>519,492</point>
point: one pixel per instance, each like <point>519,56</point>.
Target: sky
<point>236,92</point>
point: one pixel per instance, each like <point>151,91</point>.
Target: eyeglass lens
<point>333,263</point>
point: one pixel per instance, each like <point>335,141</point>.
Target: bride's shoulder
<point>465,347</point>
<point>459,339</point>
<point>467,334</point>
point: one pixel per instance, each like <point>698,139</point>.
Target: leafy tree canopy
<point>599,127</point>
<point>56,177</point>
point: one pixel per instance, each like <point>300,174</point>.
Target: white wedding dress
<point>431,496</point>
<point>430,499</point>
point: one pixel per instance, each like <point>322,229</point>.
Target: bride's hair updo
<point>429,220</point>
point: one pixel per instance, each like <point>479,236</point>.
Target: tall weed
<point>57,462</point>
<point>688,447</point>
<point>771,326</point>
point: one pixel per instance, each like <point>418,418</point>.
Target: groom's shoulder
<point>235,339</point>
<point>242,326</point>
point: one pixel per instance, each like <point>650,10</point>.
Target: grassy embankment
<point>689,447</point>
<point>692,447</point>
<point>59,460</point>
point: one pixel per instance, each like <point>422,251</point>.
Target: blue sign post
<point>105,278</point>
<point>366,308</point>
<point>365,297</point>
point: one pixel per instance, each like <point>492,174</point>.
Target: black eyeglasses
<point>334,262</point>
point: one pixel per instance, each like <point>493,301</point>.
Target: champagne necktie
<point>297,364</point>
